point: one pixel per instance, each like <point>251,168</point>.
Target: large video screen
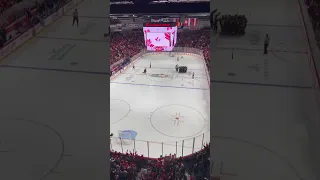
<point>159,38</point>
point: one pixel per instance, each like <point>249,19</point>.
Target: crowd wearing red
<point>124,45</point>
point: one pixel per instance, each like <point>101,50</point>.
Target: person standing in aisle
<point>266,43</point>
<point>215,26</point>
<point>75,17</point>
<point>215,23</point>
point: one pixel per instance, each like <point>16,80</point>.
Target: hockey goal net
<point>126,137</point>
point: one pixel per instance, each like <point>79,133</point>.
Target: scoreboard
<point>160,36</point>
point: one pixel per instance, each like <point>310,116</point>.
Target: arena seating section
<point>130,44</point>
<point>131,166</point>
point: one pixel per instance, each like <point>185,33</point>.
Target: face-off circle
<point>119,109</point>
<point>177,121</point>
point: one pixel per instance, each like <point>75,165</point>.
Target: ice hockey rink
<point>52,113</point>
<point>263,105</point>
<point>166,110</point>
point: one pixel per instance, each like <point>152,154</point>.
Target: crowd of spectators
<point>26,18</point>
<point>124,45</point>
<point>115,21</point>
<point>196,39</point>
<point>131,166</point>
<point>314,13</point>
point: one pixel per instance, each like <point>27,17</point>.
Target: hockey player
<point>145,70</point>
<point>177,66</point>
<point>150,65</point>
<point>133,66</point>
<point>192,75</point>
<point>177,58</point>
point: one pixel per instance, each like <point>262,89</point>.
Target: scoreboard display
<point>160,36</point>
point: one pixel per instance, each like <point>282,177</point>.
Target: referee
<point>75,17</point>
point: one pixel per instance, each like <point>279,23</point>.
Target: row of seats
<point>124,45</point>
<point>132,166</point>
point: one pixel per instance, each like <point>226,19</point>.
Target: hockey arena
<point>160,97</point>
<point>54,109</point>
<point>168,111</point>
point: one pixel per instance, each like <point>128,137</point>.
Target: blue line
<point>165,68</point>
<point>160,86</point>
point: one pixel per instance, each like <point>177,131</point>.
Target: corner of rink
<point>173,107</point>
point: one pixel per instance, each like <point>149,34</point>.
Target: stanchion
<point>193,145</point>
<point>182,146</point>
<point>121,144</point>
<point>202,140</point>
<point>148,148</point>
<point>162,148</point>
<point>134,145</point>
<point>176,147</point>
